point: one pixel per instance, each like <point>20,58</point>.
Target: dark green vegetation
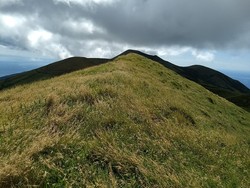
<point>242,100</point>
<point>212,80</point>
<point>50,71</point>
<point>126,123</point>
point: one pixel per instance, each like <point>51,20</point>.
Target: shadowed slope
<point>212,79</point>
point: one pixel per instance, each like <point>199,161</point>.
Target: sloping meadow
<point>127,123</point>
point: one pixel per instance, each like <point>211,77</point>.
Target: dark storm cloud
<point>77,26</point>
<point>193,23</point>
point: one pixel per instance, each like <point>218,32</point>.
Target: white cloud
<point>103,1</point>
<point>95,48</point>
<point>47,43</point>
<point>206,56</point>
<point>11,21</point>
<point>203,56</point>
<point>60,50</point>
<point>173,51</point>
<point>39,36</point>
<point>83,26</point>
<point>13,29</point>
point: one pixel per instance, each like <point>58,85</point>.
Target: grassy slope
<point>214,81</point>
<point>49,71</point>
<point>128,123</point>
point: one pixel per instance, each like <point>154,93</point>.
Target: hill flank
<point>126,123</point>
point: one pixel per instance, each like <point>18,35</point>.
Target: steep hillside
<point>51,70</point>
<point>126,123</point>
<point>212,80</point>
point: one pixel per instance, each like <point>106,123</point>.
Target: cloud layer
<point>62,28</point>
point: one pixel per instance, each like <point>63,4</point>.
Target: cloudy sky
<point>214,33</point>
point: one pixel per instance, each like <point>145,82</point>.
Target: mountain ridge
<point>51,70</point>
<point>213,80</point>
<point>189,71</point>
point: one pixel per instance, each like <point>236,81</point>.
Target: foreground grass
<point>128,123</point>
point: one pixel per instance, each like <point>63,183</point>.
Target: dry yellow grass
<point>128,123</point>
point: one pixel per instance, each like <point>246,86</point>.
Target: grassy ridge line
<point>128,123</point>
<point>49,71</point>
<point>212,80</point>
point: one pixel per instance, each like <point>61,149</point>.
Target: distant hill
<point>212,80</point>
<point>54,69</point>
<point>129,122</point>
